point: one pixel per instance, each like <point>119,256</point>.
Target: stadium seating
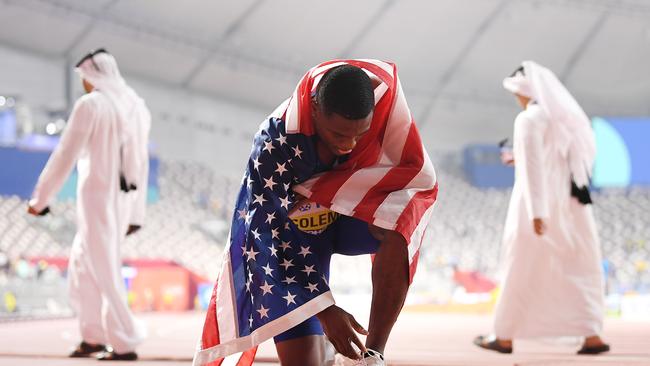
<point>189,225</point>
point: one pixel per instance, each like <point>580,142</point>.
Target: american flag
<point>270,280</point>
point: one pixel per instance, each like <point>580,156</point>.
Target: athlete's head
<point>342,108</point>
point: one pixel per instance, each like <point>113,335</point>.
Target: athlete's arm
<point>390,283</point>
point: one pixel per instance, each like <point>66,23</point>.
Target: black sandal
<point>492,345</point>
<point>85,349</point>
<point>594,350</point>
<point>111,355</point>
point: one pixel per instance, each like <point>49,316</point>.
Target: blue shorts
<point>346,236</point>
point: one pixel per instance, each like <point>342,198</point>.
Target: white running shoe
<point>341,360</point>
<point>371,358</point>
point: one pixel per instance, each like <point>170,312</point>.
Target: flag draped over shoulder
<point>270,280</point>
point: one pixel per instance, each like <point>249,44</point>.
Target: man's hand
<point>340,328</point>
<point>32,211</point>
<point>507,158</point>
<point>132,229</point>
<point>539,226</point>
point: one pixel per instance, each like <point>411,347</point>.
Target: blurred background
<point>211,71</point>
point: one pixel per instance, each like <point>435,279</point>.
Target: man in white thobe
<point>106,135</point>
<point>553,284</point>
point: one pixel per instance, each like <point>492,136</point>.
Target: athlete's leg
<point>304,343</point>
<point>301,345</point>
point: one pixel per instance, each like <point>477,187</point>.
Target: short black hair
<point>347,91</point>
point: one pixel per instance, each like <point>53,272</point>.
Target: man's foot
<point>85,349</point>
<point>593,345</point>
<point>111,355</point>
<point>371,358</point>
<point>493,344</point>
<point>593,350</point>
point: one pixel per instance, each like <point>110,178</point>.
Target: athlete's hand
<point>341,328</point>
<point>539,226</point>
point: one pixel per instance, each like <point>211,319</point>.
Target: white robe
<point>97,290</point>
<point>553,284</point>
<point>138,126</point>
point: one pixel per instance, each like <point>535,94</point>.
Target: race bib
<point>312,218</point>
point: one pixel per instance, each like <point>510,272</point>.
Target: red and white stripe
<point>388,180</point>
<point>391,184</point>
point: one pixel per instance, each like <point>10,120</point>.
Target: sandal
<point>85,349</point>
<point>111,355</point>
<point>594,350</point>
<point>492,344</point>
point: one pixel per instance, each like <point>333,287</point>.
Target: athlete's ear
<point>314,107</point>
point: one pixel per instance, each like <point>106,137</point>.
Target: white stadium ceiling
<point>448,51</point>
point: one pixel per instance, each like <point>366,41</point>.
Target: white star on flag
<point>286,264</point>
<point>309,269</point>
<point>285,245</point>
<point>274,252</point>
<point>297,152</point>
<point>256,164</point>
<point>242,213</point>
<point>286,186</point>
<point>284,202</point>
<point>289,280</point>
<point>312,287</point>
<point>304,251</point>
<point>268,146</point>
<point>266,288</point>
<point>269,183</point>
<point>282,139</point>
<point>256,234</point>
<point>268,270</point>
<point>281,168</point>
<point>264,312</point>
<point>270,217</point>
<point>248,285</point>
<point>275,233</point>
<point>250,321</point>
<point>251,254</point>
<point>290,298</point>
<point>259,199</point>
